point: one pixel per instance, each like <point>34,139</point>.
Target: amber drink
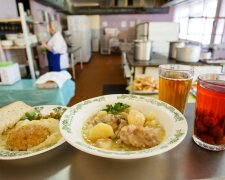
<point>174,84</point>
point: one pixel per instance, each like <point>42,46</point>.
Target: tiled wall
<point>36,10</point>
<point>126,23</point>
<point>8,9</point>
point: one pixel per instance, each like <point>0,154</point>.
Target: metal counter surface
<point>158,59</point>
<point>186,161</point>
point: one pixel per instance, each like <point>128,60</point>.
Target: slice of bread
<point>11,114</point>
<point>47,85</point>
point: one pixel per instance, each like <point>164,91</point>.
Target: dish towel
<point>57,78</point>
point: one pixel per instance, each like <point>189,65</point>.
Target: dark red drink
<point>209,125</point>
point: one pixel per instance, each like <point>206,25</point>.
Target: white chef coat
<point>58,46</point>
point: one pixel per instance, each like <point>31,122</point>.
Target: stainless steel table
<point>72,51</point>
<point>186,161</point>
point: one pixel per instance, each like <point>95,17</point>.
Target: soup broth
<point>129,130</point>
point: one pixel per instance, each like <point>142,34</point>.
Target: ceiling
<point>85,1</point>
<point>93,7</point>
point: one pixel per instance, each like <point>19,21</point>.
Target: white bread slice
<point>11,114</point>
<point>47,85</point>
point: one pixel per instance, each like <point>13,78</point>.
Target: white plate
<point>10,155</point>
<point>173,121</point>
<point>132,91</point>
<point>144,92</point>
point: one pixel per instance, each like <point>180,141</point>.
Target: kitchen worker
<point>56,48</point>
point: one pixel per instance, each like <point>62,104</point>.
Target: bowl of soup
<point>123,126</point>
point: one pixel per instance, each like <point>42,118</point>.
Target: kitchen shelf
<point>18,47</point>
<point>18,20</point>
<point>13,47</point>
<point>7,20</point>
<point>23,20</point>
<point>32,21</point>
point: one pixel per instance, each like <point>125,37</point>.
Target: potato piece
<point>101,114</point>
<point>136,118</point>
<point>104,143</point>
<point>101,130</point>
<point>151,116</point>
<point>153,123</point>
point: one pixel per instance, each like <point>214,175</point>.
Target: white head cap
<point>55,25</point>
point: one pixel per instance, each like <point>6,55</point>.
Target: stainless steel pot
<point>205,55</point>
<point>142,50</point>
<point>173,48</point>
<point>189,53</point>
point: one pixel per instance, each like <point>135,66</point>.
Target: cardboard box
<point>9,74</point>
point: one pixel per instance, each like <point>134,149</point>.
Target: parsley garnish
<point>29,115</point>
<point>117,108</point>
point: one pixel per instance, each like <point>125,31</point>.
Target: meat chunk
<point>114,122</point>
<point>141,137</point>
<point>117,121</point>
<point>27,137</point>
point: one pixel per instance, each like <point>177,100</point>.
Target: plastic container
<point>9,74</point>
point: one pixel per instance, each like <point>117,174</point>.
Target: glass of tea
<point>174,84</point>
<point>209,124</point>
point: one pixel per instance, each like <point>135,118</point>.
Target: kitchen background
<point>201,21</point>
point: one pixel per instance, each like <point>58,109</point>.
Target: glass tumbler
<point>174,84</point>
<point>209,124</point>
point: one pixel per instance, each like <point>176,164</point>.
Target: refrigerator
<point>79,28</point>
<point>160,33</point>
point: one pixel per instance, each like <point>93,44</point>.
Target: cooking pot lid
<point>141,40</point>
<point>171,42</point>
<point>193,46</point>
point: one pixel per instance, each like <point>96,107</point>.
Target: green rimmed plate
<point>173,121</point>
<point>44,110</point>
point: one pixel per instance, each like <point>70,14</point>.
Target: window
<point>196,20</point>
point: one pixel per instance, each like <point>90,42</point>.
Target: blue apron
<point>53,61</point>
